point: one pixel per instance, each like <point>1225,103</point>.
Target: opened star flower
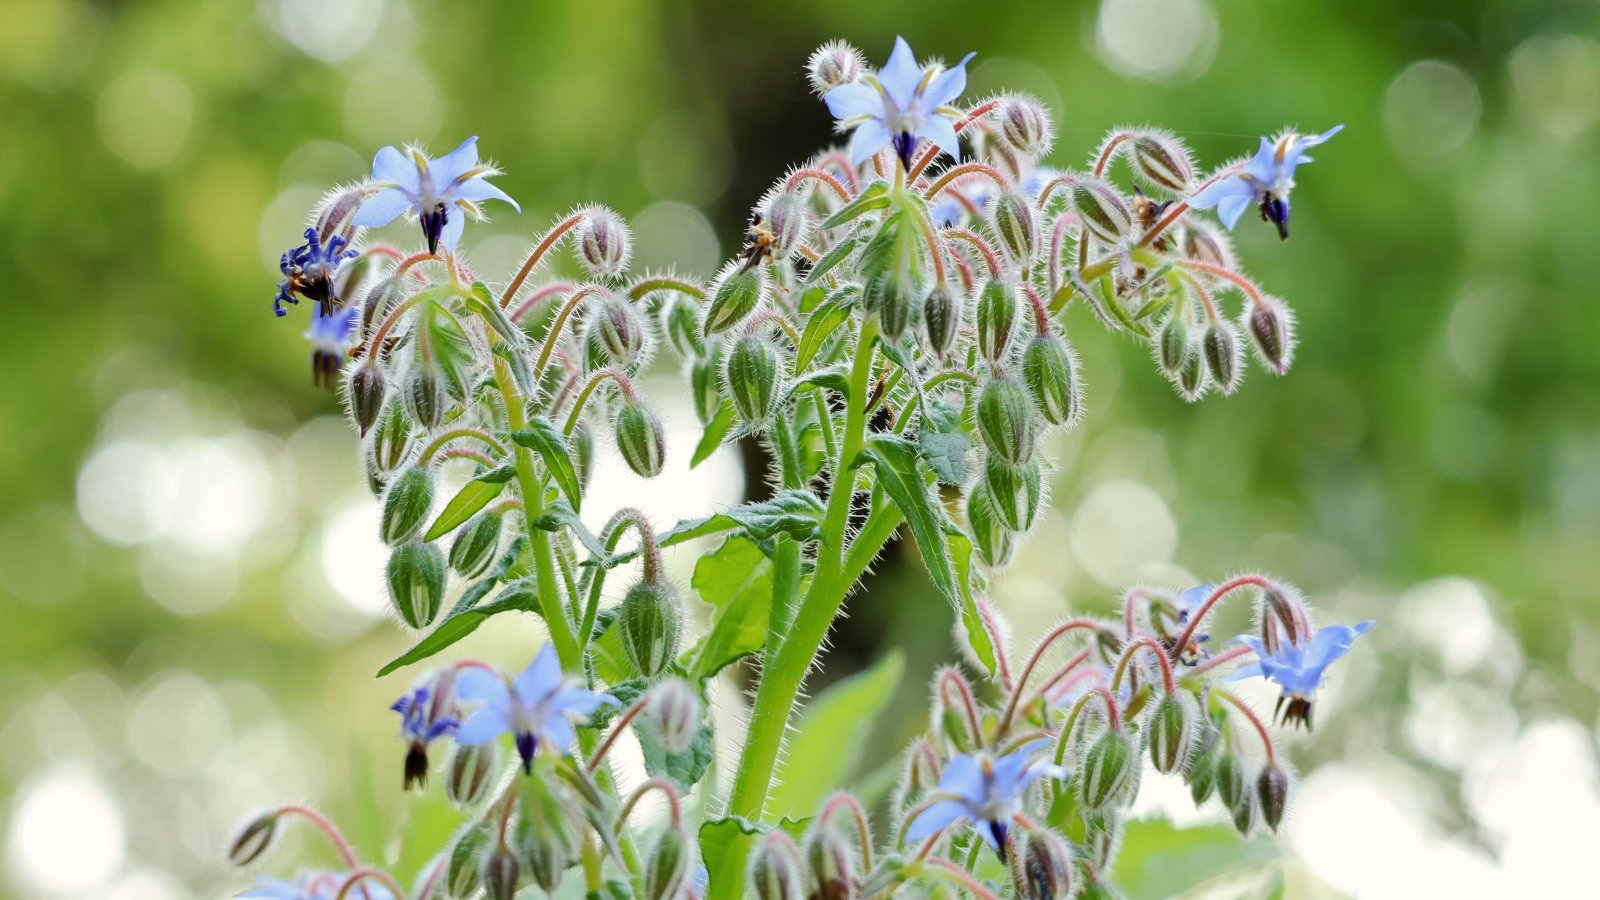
<point>900,104</point>
<point>1298,667</point>
<point>440,193</point>
<point>537,705</point>
<point>426,714</point>
<point>986,790</point>
<point>1265,181</point>
<point>308,272</point>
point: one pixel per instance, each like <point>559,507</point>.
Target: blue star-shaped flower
<point>985,789</point>
<point>310,886</point>
<point>308,272</point>
<point>537,705</point>
<point>1298,667</point>
<point>898,105</point>
<point>441,193</point>
<point>1265,181</point>
<point>425,715</point>
<point>330,337</point>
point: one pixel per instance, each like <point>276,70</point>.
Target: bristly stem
<point>538,296</point>
<point>609,372</point>
<point>1260,726</point>
<point>973,115</point>
<point>966,168</point>
<point>1204,610</point>
<point>1039,649</point>
<point>1149,643</point>
<point>539,250</point>
<point>800,176</point>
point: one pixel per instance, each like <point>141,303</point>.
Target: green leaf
<point>831,259</point>
<point>496,317</point>
<point>716,430</point>
<point>1159,859</point>
<point>559,515</point>
<point>684,768</point>
<point>876,196</point>
<point>473,497</point>
<point>832,733</point>
<point>462,622</point>
<point>796,513</point>
<point>961,560</point>
<point>824,322</point>
<point>736,580</point>
<point>943,443</point>
<point>725,844</point>
<point>547,440</point>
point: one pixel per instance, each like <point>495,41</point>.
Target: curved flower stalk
<point>893,334</point>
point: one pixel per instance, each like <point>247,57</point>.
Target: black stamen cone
<point>1276,211</point>
<point>526,744</point>
<point>433,222</point>
<point>1000,830</point>
<point>416,766</point>
<point>904,143</point>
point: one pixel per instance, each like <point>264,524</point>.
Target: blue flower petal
<point>963,776</point>
<point>479,189</point>
<point>381,208</point>
<point>453,227</point>
<point>1253,670</point>
<point>483,726</point>
<point>947,85</point>
<point>1231,208</point>
<point>855,99</point>
<point>870,137</point>
<point>483,686</point>
<point>541,678</point>
<point>901,76</point>
<point>935,817</point>
<point>396,168</point>
<point>942,134</point>
<point>454,164</point>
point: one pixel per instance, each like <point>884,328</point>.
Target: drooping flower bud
<point>1005,419</point>
<point>997,319</point>
<point>896,301</point>
<point>1206,243</point>
<point>425,397</point>
<point>1014,489</point>
<point>941,313</point>
<point>919,775</point>
<point>1050,370</point>
<point>1101,209</point>
<point>501,872</point>
<point>1271,327</point>
<point>604,243</point>
<point>776,871</point>
<point>1173,346</point>
<point>736,294</point>
<point>470,773</point>
<point>994,542</point>
<point>1025,126</point>
<point>1272,793</point>
<point>1244,813</point>
<point>391,440</point>
<point>652,623</point>
<point>674,713</point>
<point>668,866</point>
<point>1016,221</point>
<point>545,836</point>
<point>1220,347</point>
<point>641,438</point>
<point>1106,769</point>
<point>581,443</point>
<point>1102,835</point>
<point>832,864</point>
<point>751,371</point>
<point>406,505</point>
<point>1192,380</point>
<point>1201,776</point>
<point>1162,161</point>
<point>949,715</point>
<point>464,874</point>
<point>621,333</point>
<point>1230,779</point>
<point>705,382</point>
<point>1041,865</point>
<point>476,544</point>
<point>416,576</point>
<point>253,839</point>
<point>833,64</point>
<point>1171,734</point>
<point>365,390</point>
<point>787,222</point>
<point>682,320</point>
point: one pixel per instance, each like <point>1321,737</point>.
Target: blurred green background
<point>188,587</point>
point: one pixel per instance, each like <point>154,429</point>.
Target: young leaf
<point>547,440</point>
<point>829,316</point>
<point>462,622</point>
<point>473,497</point>
<point>719,427</point>
<point>736,579</point>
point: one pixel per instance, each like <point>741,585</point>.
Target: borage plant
<point>892,333</point>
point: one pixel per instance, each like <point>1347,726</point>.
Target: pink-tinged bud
<point>464,874</point>
<point>254,839</point>
<point>424,397</point>
<point>833,64</point>
<point>674,713</point>
<point>364,391</point>
<point>651,623</point>
<point>787,223</point>
<point>1208,244</point>
<point>951,690</point>
<point>1220,347</point>
<point>1015,490</point>
<point>406,505</point>
<point>1171,734</point>
<point>1016,221</point>
<point>1005,419</point>
<point>337,207</point>
<point>470,773</point>
<point>997,319</point>
<point>919,775</point>
<point>1271,328</point>
<point>416,579</point>
<point>994,542</point>
<point>500,874</point>
<point>941,313</point>
<point>1162,161</point>
<point>1101,209</point>
<point>604,243</point>
<point>1041,865</point>
<point>832,864</point>
<point>621,333</point>
<point>1106,768</point>
<point>1025,126</point>
<point>668,866</point>
<point>641,438</point>
<point>776,871</point>
<point>1272,793</point>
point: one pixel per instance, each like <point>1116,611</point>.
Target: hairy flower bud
<point>621,333</point>
<point>1050,370</point>
<point>1041,865</point>
<point>1230,779</point>
<point>641,438</point>
<point>681,317</point>
<point>1162,161</point>
<point>1102,835</point>
<point>776,871</point>
<point>1101,209</point>
<point>1014,489</point>
<point>416,576</point>
<point>604,243</point>
<point>1206,243</point>
<point>500,874</point>
<point>997,319</point>
<point>705,384</point>
<point>751,371</point>
<point>1016,222</point>
<point>1106,768</point>
<point>941,313</point>
<point>1271,328</point>
<point>674,713</point>
<point>365,390</point>
<point>735,296</point>
<point>1025,126</point>
<point>476,544</point>
<point>788,222</point>
<point>994,542</point>
<point>652,623</point>
<point>425,397</point>
<point>1173,346</point>
<point>1191,379</point>
<point>668,866</point>
<point>253,839</point>
<point>1171,734</point>
<point>1201,776</point>
<point>581,443</point>
<point>1005,419</point>
<point>832,864</point>
<point>895,299</point>
<point>1272,793</point>
<point>391,440</point>
<point>833,64</point>
<point>1220,347</point>
<point>406,505</point>
<point>464,871</point>
<point>470,773</point>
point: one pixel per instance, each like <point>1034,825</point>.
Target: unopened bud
<point>1220,347</point>
<point>1173,346</point>
<point>919,774</point>
<point>365,390</point>
<point>735,296</point>
<point>1244,813</point>
<point>1050,370</point>
<point>652,625</point>
<point>1230,779</point>
<point>997,319</point>
<point>470,773</point>
<point>1272,792</point>
<point>1191,378</point>
<point>994,542</point>
<point>476,544</point>
<point>581,443</point>
<point>1005,419</point>
<point>1014,488</point>
<point>406,505</point>
<point>337,207</point>
<point>621,333</point>
<point>425,397</point>
<point>705,381</point>
<point>416,576</point>
<point>641,438</point>
<point>464,874</point>
<point>1102,832</point>
<point>1025,126</point>
<point>668,866</point>
<point>1271,328</point>
<point>950,711</point>
<point>391,440</point>
<point>787,220</point>
<point>832,864</point>
<point>941,313</point>
<point>682,319</point>
<point>1101,209</point>
<point>1171,732</point>
<point>776,871</point>
<point>895,299</point>
<point>604,243</point>
<point>253,839</point>
<point>1106,769</point>
<point>1017,223</point>
<point>1041,865</point>
<point>1162,161</point>
<point>674,713</point>
<point>1208,244</point>
<point>751,372</point>
<point>833,64</point>
<point>1202,777</point>
<point>500,874</point>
